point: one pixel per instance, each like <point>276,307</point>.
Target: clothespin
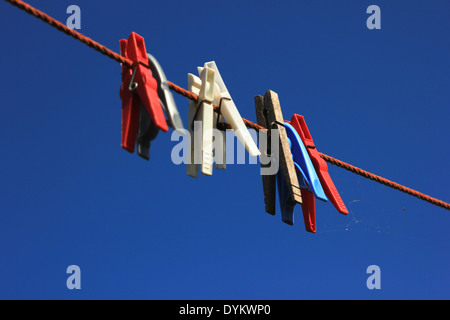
<point>303,163</point>
<point>138,86</point>
<point>201,112</point>
<point>194,152</point>
<point>231,114</point>
<point>269,115</point>
<point>308,181</point>
<point>147,130</point>
<point>299,123</point>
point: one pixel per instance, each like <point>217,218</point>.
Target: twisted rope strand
<point>384,181</point>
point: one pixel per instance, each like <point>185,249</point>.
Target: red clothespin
<point>138,87</point>
<point>298,122</point>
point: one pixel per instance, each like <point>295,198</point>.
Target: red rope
<point>61,27</point>
<point>384,181</point>
<point>111,54</point>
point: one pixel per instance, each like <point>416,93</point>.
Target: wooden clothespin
<point>269,115</point>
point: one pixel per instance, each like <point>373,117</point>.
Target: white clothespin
<point>202,113</point>
<point>194,153</point>
<point>231,113</point>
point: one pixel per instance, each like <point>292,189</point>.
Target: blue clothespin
<point>303,163</point>
<point>308,181</point>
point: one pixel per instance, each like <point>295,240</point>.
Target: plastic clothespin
<point>299,123</point>
<point>303,163</point>
<point>147,130</point>
<point>308,181</point>
<point>201,147</point>
<point>194,152</point>
<point>231,113</point>
<point>138,86</point>
<point>269,115</point>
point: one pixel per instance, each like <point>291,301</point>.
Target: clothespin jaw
<point>138,86</point>
<point>299,123</point>
<point>269,115</point>
<point>206,115</point>
<point>268,180</point>
<point>147,132</point>
<point>309,210</point>
<point>287,204</point>
<point>231,113</point>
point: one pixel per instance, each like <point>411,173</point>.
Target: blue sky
<point>69,195</point>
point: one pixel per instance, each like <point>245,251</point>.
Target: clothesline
<point>179,90</point>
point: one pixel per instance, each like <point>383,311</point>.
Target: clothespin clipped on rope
<point>310,185</point>
<point>194,153</point>
<point>227,113</point>
<point>299,179</point>
<point>201,122</point>
<point>269,115</point>
<point>299,123</point>
<point>138,87</point>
